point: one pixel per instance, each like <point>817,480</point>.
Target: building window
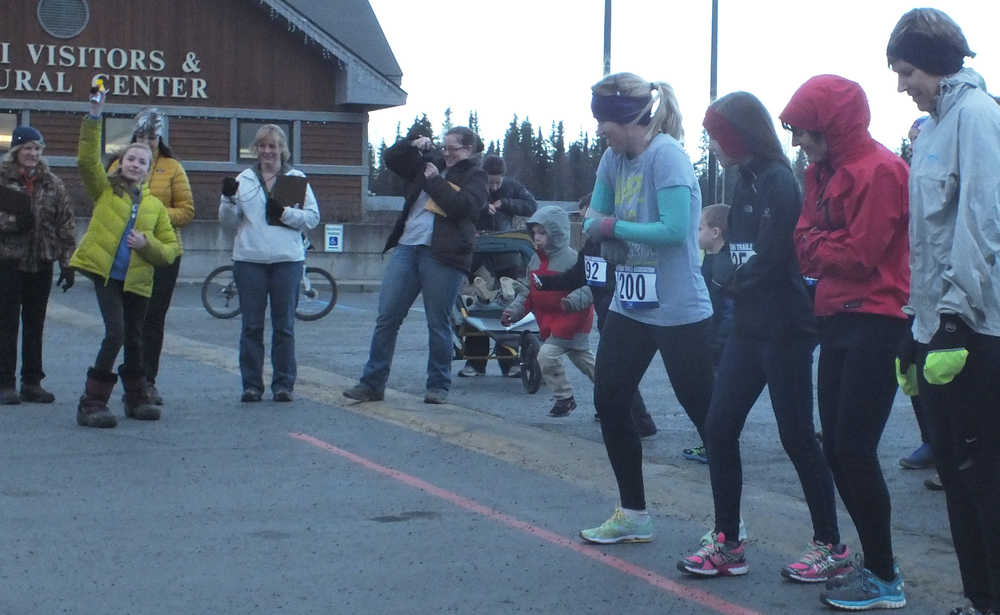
<point>8,122</point>
<point>248,130</point>
<point>117,134</point>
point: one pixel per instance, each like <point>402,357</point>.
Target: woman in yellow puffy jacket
<point>169,183</point>
<point>129,234</point>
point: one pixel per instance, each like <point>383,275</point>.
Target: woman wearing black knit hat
<point>953,354</point>
<point>36,230</point>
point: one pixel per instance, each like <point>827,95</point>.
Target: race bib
<point>595,269</point>
<point>740,253</point>
<point>636,287</point>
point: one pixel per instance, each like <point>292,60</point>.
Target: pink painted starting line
<point>705,599</point>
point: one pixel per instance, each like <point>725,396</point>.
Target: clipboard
<point>434,208</point>
<point>290,190</point>
<point>14,202</point>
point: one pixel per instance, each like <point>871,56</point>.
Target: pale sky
<point>538,58</point>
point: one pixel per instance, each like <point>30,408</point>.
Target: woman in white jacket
<point>268,257</point>
<point>953,355</point>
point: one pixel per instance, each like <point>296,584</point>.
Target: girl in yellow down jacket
<point>169,183</point>
<point>129,234</point>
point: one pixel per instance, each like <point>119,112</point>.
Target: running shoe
<point>470,372</point>
<point>709,536</point>
<point>969,610</point>
<point>820,562</point>
<point>620,528</point>
<point>934,483</point>
<point>696,453</point>
<point>861,590</point>
<point>716,559</point>
<point>919,459</point>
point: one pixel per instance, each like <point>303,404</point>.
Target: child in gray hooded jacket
<point>564,318</point>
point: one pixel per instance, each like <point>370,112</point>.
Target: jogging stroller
<point>478,313</point>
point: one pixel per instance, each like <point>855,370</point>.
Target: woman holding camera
<point>30,242</point>
<point>268,257</point>
<point>433,240</point>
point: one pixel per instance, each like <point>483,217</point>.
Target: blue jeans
<point>412,271</point>
<point>257,282</point>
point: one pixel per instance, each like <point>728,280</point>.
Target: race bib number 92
<point>595,269</point>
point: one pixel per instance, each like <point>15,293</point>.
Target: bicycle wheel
<point>219,294</point>
<point>531,371</point>
<point>317,294</point>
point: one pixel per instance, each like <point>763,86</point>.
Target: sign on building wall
<point>334,235</point>
<point>47,68</point>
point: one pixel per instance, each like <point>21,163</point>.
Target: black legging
<point>23,301</point>
<point>964,429</point>
<point>123,313</point>
<point>785,366</point>
<point>164,281</point>
<point>624,352</point>
<point>855,389</point>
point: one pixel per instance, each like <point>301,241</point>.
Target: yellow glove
<point>907,380</point>
<point>946,352</point>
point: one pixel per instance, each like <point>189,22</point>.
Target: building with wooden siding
<point>218,69</point>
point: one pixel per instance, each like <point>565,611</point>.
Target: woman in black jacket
<point>433,239</point>
<point>771,343</point>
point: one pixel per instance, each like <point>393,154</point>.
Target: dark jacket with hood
<point>453,234</point>
<point>852,234</point>
<point>515,200</point>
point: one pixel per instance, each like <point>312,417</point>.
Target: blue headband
<point>620,109</point>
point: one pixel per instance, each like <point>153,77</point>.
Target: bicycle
<point>317,293</point>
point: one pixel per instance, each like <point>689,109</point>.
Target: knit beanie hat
<point>25,134</point>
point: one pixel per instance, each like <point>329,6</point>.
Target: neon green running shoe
<point>620,528</point>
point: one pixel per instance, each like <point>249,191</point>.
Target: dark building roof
<point>349,30</point>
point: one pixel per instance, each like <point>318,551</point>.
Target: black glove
<point>24,222</point>
<point>906,349</point>
<point>906,358</point>
<point>67,276</point>
<point>229,186</point>
<point>274,211</point>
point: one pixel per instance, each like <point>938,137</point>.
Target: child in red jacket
<point>564,318</point>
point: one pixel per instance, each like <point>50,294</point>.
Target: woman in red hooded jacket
<point>852,237</point>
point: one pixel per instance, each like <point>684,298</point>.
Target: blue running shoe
<point>861,590</point>
<point>919,459</point>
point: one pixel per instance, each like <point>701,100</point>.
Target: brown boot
<point>138,405</point>
<point>93,408</point>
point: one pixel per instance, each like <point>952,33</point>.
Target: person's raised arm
<point>88,159</point>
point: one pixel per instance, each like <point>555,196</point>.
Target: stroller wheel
<point>531,372</point>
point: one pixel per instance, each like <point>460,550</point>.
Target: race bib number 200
<point>595,269</point>
<point>636,287</point>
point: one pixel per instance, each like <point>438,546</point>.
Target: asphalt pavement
<point>324,506</point>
